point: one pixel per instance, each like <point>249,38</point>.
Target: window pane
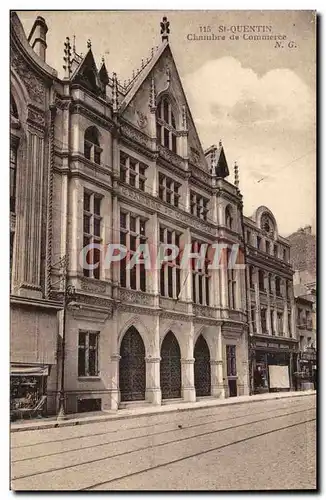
<point>123,272</point>
<point>178,281</point>
<point>87,150</point>
<point>123,238</point>
<point>174,143</point>
<point>142,170</point>
<point>142,272</point>
<point>87,224</point>
<point>142,224</point>
<point>172,120</point>
<point>132,165</point>
<point>200,289</point>
<point>168,196</point>
<point>87,202</point>
<point>97,227</point>
<point>194,287</point>
<point>123,220</point>
<point>97,156</point>
<point>166,137</point>
<point>81,353</point>
<point>132,179</point>
<point>166,111</point>
<point>133,282</point>
<point>162,234</point>
<point>97,205</point>
<point>92,355</point>
<point>133,224</point>
<point>161,193</point>
<point>97,257</point>
<point>170,282</point>
<point>142,184</point>
<point>162,280</point>
<point>122,175</point>
<point>133,243</point>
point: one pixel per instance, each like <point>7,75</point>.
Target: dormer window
<point>166,125</point>
<point>92,150</point>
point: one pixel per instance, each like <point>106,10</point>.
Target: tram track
<point>172,428</point>
<point>173,442</point>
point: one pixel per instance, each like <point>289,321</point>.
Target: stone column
<point>187,369</point>
<point>153,385</point>
<point>217,384</point>
<point>115,358</point>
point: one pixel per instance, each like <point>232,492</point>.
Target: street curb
<point>105,418</point>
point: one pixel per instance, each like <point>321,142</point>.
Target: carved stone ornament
<point>34,85</point>
<point>36,117</point>
<point>141,119</point>
<point>136,135</point>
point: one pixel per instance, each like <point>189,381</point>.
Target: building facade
<point>99,162</point>
<point>271,306</point>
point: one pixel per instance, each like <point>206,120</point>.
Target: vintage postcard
<point>163,250</point>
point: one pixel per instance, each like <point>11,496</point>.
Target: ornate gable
<point>161,78</point>
<point>87,75</point>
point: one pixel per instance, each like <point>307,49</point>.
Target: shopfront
<point>28,385</point>
<point>307,369</point>
<point>272,365</point>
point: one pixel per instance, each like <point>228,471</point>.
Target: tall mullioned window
<point>92,231</point>
<point>92,149</point>
<point>199,205</point>
<point>88,354</point>
<point>169,190</point>
<point>231,361</point>
<point>166,125</point>
<point>170,273</point>
<point>132,171</point>
<point>200,277</point>
<point>232,283</point>
<point>132,234</point>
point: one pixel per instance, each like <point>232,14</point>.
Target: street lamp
<point>69,295</point>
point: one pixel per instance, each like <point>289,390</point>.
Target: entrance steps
<point>172,401</point>
<point>130,405</point>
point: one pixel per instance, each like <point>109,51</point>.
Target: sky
<point>259,99</point>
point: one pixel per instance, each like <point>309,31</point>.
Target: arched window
<point>92,150</point>
<point>228,217</point>
<point>166,125</point>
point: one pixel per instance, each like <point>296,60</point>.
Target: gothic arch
<point>176,108</point>
<point>20,94</point>
<point>170,367</point>
<point>132,366</point>
<point>137,323</point>
<point>202,367</point>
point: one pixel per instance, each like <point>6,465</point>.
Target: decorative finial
<point>103,61</point>
<point>67,58</point>
<point>115,93</point>
<point>152,53</point>
<point>220,143</point>
<point>89,43</point>
<point>168,74</point>
<point>125,83</point>
<point>133,74</point>
<point>152,96</point>
<point>184,117</point>
<point>142,63</point>
<point>236,174</point>
<point>74,44</point>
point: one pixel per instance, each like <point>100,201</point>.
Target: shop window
<point>88,354</point>
<point>92,150</point>
<point>92,222</point>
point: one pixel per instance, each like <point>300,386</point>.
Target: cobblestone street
<point>257,445</point>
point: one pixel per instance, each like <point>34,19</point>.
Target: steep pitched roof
<point>164,51</point>
<point>86,73</point>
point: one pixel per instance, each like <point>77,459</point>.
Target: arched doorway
<point>170,368</point>
<point>132,367</point>
<point>202,368</point>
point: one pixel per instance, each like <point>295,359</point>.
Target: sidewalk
<point>82,418</point>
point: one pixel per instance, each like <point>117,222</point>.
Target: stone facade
<point>102,162</point>
<point>271,305</point>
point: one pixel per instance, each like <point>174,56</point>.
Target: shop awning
<point>33,371</point>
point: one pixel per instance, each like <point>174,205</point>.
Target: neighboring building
<point>96,161</point>
<point>271,304</point>
<point>303,257</point>
<point>34,325</point>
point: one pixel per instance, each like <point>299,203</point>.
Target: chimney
<point>307,229</point>
<point>37,37</point>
